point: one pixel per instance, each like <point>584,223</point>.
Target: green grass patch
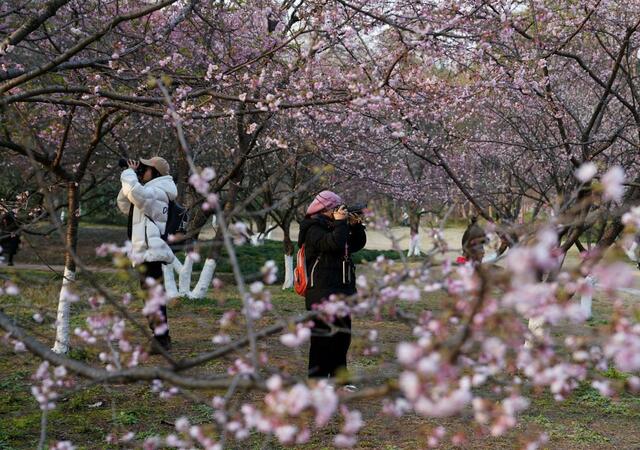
<point>587,398</point>
<point>4,443</point>
<point>202,414</point>
<point>560,430</point>
<point>585,435</point>
<point>127,418</point>
<point>615,374</point>
<point>15,381</point>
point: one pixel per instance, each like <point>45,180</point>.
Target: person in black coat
<point>9,236</point>
<point>473,241</point>
<point>330,236</point>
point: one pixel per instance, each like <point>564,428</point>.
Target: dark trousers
<point>329,347</point>
<point>9,247</point>
<point>153,269</point>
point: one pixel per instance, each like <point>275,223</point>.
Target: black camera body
<point>356,208</point>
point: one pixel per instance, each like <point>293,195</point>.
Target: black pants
<point>329,347</point>
<point>9,247</point>
<point>153,269</point>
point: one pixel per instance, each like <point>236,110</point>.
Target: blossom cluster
<point>110,330</point>
<point>46,383</point>
<point>297,337</point>
<point>258,301</point>
<point>202,184</point>
<point>286,412</point>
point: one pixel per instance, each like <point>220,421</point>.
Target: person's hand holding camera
<point>341,213</point>
<point>133,164</point>
<point>355,218</point>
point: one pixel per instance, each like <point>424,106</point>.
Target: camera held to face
<point>355,212</point>
<point>140,170</point>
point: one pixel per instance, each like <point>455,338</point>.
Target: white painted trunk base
<point>536,326</point>
<point>491,257</point>
<point>587,299</point>
<point>288,272</point>
<point>185,272</point>
<point>632,251</point>
<point>206,276</point>
<point>585,304</point>
<point>169,280</point>
<point>257,239</point>
<point>184,279</point>
<point>62,320</point>
<point>414,246</point>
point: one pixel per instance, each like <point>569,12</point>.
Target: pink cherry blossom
<point>612,182</point>
<point>586,172</point>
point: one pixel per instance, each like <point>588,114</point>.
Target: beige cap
<point>160,164</point>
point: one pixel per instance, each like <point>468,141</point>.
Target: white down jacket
<point>150,211</point>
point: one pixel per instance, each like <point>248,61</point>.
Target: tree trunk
<point>182,180</point>
<point>261,230</point>
<point>184,278</point>
<point>288,255</point>
<point>169,277</point>
<point>204,281</point>
<point>185,272</point>
<point>197,221</point>
<point>536,211</point>
<point>586,299</point>
<point>64,301</point>
<point>414,232</point>
<point>463,211</point>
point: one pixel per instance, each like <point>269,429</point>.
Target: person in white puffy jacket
<point>146,201</point>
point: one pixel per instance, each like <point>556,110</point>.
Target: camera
<point>142,168</point>
<point>357,208</point>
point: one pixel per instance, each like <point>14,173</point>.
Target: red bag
<point>300,273</point>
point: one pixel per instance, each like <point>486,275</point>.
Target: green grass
<point>4,444</point>
<point>585,435</point>
<point>615,374</point>
<point>127,418</point>
<point>586,396</point>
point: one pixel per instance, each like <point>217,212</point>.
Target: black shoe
<point>163,341</point>
<point>166,342</point>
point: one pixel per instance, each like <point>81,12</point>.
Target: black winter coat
<point>330,270</point>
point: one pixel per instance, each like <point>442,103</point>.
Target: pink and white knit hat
<point>324,200</point>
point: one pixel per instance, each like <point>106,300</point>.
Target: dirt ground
<point>586,420</point>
